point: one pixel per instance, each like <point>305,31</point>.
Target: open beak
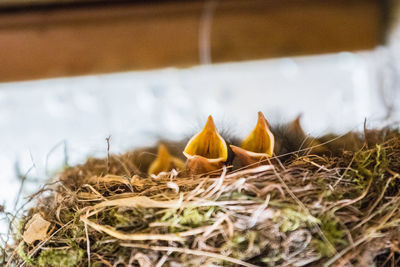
<point>206,151</point>
<point>258,145</point>
<point>165,162</point>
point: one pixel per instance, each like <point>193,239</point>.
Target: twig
<point>108,153</point>
<point>87,244</point>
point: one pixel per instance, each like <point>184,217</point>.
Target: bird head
<point>164,162</point>
<point>206,151</point>
<point>258,145</point>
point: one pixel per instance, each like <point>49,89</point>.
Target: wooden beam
<point>53,42</point>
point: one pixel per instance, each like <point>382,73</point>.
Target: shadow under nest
<point>305,210</point>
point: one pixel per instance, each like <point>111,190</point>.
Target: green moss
<point>103,247</point>
<point>57,257</point>
<point>23,256</point>
<point>193,217</point>
<point>75,231</point>
<point>189,217</point>
<point>368,164</point>
<point>332,231</point>
<point>20,226</point>
<point>271,259</point>
<point>291,220</point>
<point>67,215</point>
<point>245,245</point>
<point>126,219</point>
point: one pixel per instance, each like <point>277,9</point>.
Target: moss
<point>368,164</point>
<point>23,255</point>
<point>245,245</point>
<point>290,219</point>
<point>76,230</point>
<point>271,259</point>
<point>194,217</point>
<point>189,217</point>
<point>103,247</point>
<point>127,219</point>
<point>20,226</point>
<point>58,257</point>
<point>332,231</point>
<point>67,215</point>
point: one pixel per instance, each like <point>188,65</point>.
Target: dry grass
<point>308,211</point>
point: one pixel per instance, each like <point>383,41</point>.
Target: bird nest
<point>309,210</point>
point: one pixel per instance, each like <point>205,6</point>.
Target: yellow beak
<point>165,162</point>
<point>258,145</point>
<point>206,151</point>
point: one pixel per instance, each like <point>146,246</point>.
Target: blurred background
<point>73,73</point>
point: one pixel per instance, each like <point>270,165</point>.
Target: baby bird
<point>258,145</point>
<point>291,138</point>
<point>165,162</point>
<point>163,157</point>
<point>206,151</point>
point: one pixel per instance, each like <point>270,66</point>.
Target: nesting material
<point>311,210</point>
<point>36,229</point>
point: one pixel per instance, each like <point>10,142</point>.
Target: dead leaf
<point>36,229</point>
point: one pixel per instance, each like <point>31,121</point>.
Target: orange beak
<point>165,162</point>
<point>258,145</point>
<point>206,151</point>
